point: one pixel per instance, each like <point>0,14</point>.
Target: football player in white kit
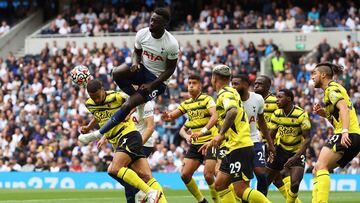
<point>254,108</point>
<point>154,61</point>
<point>143,118</point>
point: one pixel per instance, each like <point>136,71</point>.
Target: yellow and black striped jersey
<point>238,135</point>
<point>334,93</point>
<point>103,112</point>
<point>198,112</point>
<point>269,107</point>
<point>290,128</point>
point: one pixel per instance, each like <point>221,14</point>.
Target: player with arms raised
<point>154,61</point>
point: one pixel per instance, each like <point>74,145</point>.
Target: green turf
<point>112,196</point>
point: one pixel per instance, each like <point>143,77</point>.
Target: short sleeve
<point>173,51</point>
<point>148,109</point>
<point>210,103</point>
<point>261,103</point>
<point>273,125</point>
<point>335,96</point>
<point>305,122</point>
<point>182,108</point>
<point>138,39</point>
<point>228,101</point>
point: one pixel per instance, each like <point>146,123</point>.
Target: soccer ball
<point>80,75</point>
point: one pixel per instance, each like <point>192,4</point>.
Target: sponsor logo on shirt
<point>152,57</point>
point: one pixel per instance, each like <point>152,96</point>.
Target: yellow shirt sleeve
<point>181,107</point>
<point>210,103</point>
<point>335,96</point>
<point>228,101</point>
<point>305,122</point>
<point>273,125</point>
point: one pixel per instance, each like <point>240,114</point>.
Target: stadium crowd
<point>41,110</point>
<point>208,17</point>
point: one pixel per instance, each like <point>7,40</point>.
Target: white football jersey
<point>156,51</point>
<point>254,106</point>
<point>143,111</point>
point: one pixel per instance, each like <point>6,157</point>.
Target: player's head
<point>96,91</point>
<point>324,72</point>
<point>159,19</point>
<point>221,75</point>
<point>262,84</point>
<point>285,97</point>
<point>241,83</point>
<point>194,84</point>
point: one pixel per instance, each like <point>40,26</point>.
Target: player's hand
<point>166,117</point>
<point>195,135</point>
<point>146,87</point>
<point>319,110</point>
<point>188,138</point>
<point>203,149</point>
<point>345,140</point>
<point>218,140</point>
<point>101,142</point>
<point>84,129</point>
<point>291,161</point>
<point>135,67</point>
<point>271,153</point>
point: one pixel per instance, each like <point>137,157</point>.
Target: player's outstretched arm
<point>88,127</point>
<point>169,116</point>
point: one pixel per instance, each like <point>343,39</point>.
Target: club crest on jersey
<point>152,57</point>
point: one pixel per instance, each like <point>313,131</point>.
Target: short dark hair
<point>288,93</point>
<point>243,77</point>
<point>330,69</point>
<point>163,12</point>
<point>267,80</point>
<point>195,76</point>
<point>94,85</point>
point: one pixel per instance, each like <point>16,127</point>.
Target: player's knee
<point>219,186</point>
<point>186,177</point>
<point>113,170</point>
<point>320,166</point>
<point>209,176</point>
<point>240,188</point>
<point>295,186</point>
<point>120,71</point>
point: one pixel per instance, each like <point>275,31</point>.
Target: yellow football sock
<point>155,185</point>
<point>282,190</point>
<point>194,190</point>
<point>227,196</point>
<point>291,197</point>
<point>214,194</point>
<point>315,190</point>
<point>287,183</point>
<point>323,186</point>
<point>231,187</point>
<point>133,179</point>
<point>254,196</point>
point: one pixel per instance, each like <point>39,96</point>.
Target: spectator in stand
<point>278,63</point>
<point>4,28</point>
<point>313,15</point>
<point>280,25</point>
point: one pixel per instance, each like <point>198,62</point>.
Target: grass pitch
<point>112,196</point>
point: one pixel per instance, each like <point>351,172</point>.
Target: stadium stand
<point>41,110</point>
